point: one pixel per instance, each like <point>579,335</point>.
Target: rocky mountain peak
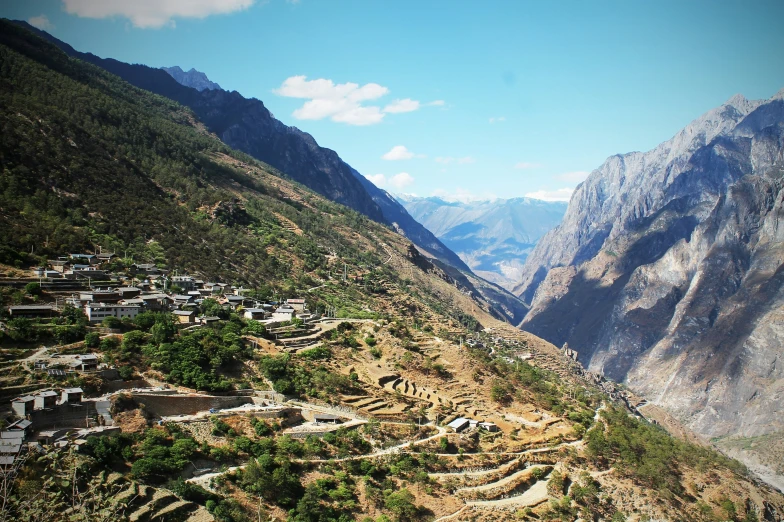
<point>666,271</point>
<point>193,78</point>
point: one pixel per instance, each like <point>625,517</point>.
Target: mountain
<point>193,78</point>
<point>91,161</point>
<point>667,272</point>
<point>246,125</point>
<point>492,237</point>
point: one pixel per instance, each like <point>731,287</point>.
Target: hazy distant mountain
<point>667,272</point>
<point>193,78</point>
<point>492,237</point>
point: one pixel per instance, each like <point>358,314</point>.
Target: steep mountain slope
<point>193,78</point>
<point>492,237</point>
<point>89,159</point>
<point>247,125</point>
<point>667,271</point>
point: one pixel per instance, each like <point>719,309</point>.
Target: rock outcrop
<point>193,78</point>
<point>668,271</point>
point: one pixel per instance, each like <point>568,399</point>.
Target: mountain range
<point>91,161</point>
<point>667,273</point>
<point>492,237</point>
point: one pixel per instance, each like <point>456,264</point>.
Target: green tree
<point>401,503</point>
<point>33,289</point>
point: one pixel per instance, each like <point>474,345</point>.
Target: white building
<point>97,312</point>
<point>284,313</point>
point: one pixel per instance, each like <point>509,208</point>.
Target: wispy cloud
<point>397,182</point>
<point>400,152</point>
<point>437,103</point>
<point>153,14</point>
<point>446,160</point>
<point>524,165</point>
<point>41,22</point>
<point>562,194</point>
<point>405,105</point>
<point>497,119</point>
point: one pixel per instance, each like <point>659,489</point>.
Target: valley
<point>492,237</point>
<point>208,316</point>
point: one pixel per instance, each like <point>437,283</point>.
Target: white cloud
<point>359,116</point>
<point>405,105</point>
<point>153,14</point>
<point>497,119</point>
<point>400,152</point>
<point>462,195</point>
<point>398,181</point>
<point>573,177</point>
<point>41,22</point>
<point>562,194</point>
<point>341,102</point>
<point>401,180</point>
<point>378,180</point>
<point>446,160</point>
<point>527,165</point>
<point>437,103</point>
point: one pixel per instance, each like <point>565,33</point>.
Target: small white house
<point>459,424</point>
<point>283,313</point>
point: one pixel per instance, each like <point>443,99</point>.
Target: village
<point>43,417</point>
<point>59,417</point>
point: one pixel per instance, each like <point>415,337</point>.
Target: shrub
<point>112,322</point>
<point>33,289</point>
<point>92,340</point>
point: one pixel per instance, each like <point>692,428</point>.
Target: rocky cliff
<point>668,267</point>
<point>193,78</point>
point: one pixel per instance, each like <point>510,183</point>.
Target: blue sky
<point>477,99</point>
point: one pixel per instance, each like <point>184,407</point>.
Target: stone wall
<point>166,405</point>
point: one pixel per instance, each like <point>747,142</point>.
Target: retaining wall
<point>166,405</point>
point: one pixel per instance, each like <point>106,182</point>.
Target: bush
<point>33,289</point>
<point>92,340</point>
<point>401,503</point>
<point>370,341</point>
<point>111,322</point>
